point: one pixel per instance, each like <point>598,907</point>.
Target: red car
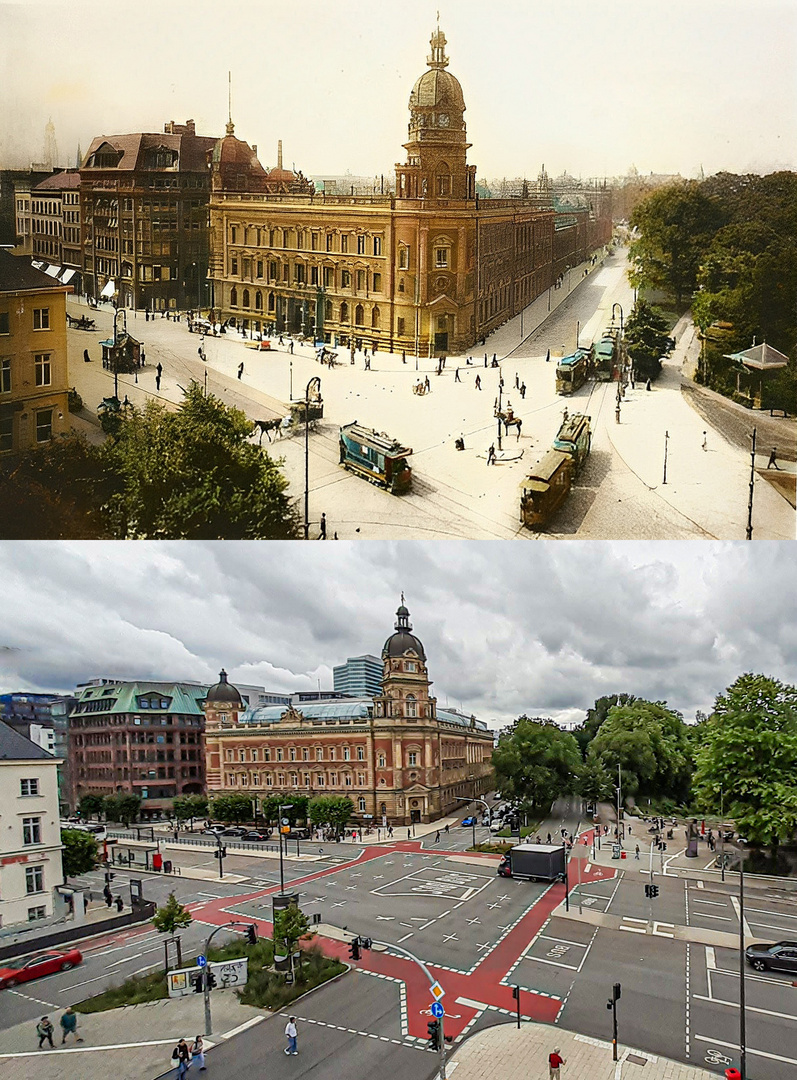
<point>33,967</point>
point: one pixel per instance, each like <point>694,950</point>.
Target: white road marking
<point>578,944</point>
<point>711,958</point>
<point>767,911</point>
<point>708,915</point>
<point>126,959</point>
<point>713,903</point>
<point>737,909</point>
<point>403,938</point>
<point>748,1008</point>
<point>242,1027</point>
<point>758,1053</point>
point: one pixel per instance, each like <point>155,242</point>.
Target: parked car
<point>781,956</point>
<point>497,826</point>
<point>34,967</point>
<point>469,821</point>
<point>298,834</point>
<point>256,835</point>
<point>214,830</point>
<point>236,830</point>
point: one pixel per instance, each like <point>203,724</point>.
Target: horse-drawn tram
<point>545,489</point>
<point>571,372</point>
<point>575,438</point>
<point>376,456</point>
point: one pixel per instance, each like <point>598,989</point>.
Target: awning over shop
<point>53,270</point>
<point>109,289</point>
<point>67,275</point>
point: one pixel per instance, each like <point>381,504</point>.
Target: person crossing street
<point>292,1036</point>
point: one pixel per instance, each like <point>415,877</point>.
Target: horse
<point>267,426</point>
<point>509,420</point>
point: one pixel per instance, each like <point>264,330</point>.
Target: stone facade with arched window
<point>397,756</point>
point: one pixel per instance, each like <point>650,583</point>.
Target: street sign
<point>437,991</point>
<point>437,1010</point>
<point>201,961</point>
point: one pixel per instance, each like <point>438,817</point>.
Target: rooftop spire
<point>437,58</point>
<point>230,125</point>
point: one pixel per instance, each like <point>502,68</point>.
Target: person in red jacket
<point>554,1061</point>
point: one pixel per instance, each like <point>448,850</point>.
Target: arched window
<point>344,312</point>
<point>234,297</point>
<point>443,181</point>
<point>359,315</point>
<point>375,318</point>
<point>383,809</point>
<point>412,707</point>
<point>329,310</point>
<point>246,298</point>
<point>258,301</point>
<point>271,301</point>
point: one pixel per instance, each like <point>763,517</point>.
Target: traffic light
<point>211,978</point>
<point>251,935</point>
<point>198,987</point>
<point>221,853</point>
<point>366,943</point>
<point>433,1032</point>
<point>651,891</point>
<point>516,993</point>
<point>354,949</point>
<point>109,877</point>
<point>616,991</point>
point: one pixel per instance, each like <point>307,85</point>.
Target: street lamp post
<point>752,483</point>
<point>722,832</point>
<point>742,1019</point>
<point>666,441</point>
<point>282,806</point>
<point>486,807</point>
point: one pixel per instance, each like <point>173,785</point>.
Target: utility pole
<point>750,503</point>
<point>619,792</point>
<point>666,440</point>
<point>722,832</point>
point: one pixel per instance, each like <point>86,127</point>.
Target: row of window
<point>330,277</point>
<point>43,371</point>
<point>298,239</point>
<point>44,429</point>
<point>269,779</point>
<point>29,786</point>
<point>41,320</point>
<point>292,753</point>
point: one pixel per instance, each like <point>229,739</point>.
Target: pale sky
<point>544,630</point>
<point>587,86</point>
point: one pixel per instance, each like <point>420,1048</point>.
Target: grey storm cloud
<point>541,629</point>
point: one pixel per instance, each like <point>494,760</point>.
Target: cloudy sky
<point>591,86</point>
<point>508,628</point>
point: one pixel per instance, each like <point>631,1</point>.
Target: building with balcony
<point>30,833</point>
<point>141,738</point>
<point>144,211</point>
<point>397,755</point>
<point>34,381</point>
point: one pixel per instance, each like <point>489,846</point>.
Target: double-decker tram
<point>376,456</point>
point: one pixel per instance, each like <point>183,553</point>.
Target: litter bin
<point>733,1074</point>
<point>167,866</point>
<point>157,861</point>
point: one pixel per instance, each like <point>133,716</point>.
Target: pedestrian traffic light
<point>433,1032</point>
<point>211,978</point>
<point>198,985</point>
<point>616,991</point>
<point>251,935</point>
<point>109,877</point>
<point>354,949</point>
<point>516,993</point>
<point>654,891</point>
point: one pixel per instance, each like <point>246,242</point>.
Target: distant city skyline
<point>590,89</point>
<point>544,631</point>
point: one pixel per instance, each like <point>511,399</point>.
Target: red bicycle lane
<point>482,986</point>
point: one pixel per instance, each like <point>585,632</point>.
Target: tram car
<point>545,489</point>
<point>376,456</point>
<point>571,372</point>
<point>604,359</point>
<point>575,439</point>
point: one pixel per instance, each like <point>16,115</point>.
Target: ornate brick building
<point>397,756</point>
<point>429,269</point>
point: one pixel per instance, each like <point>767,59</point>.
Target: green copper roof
<point>124,697</point>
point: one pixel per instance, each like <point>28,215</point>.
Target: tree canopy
<point>334,810</point>
<point>536,761</point>
<point>646,337</point>
<point>747,759</point>
<point>235,807</point>
<point>191,473</point>
<point>79,852</point>
<point>172,916</point>
<point>188,807</point>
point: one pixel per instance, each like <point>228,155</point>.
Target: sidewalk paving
<point>522,1054</point>
<point>134,1043</point>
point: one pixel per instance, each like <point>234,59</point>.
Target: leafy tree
<point>79,852</point>
<point>651,745</point>
<point>123,807</point>
<point>536,761</point>
<point>194,474</point>
<point>333,810</point>
<point>235,807</point>
<point>595,717</point>
<point>675,224</point>
<point>748,751</point>
<point>90,805</point>
<point>170,918</point>
<point>189,807</point>
<point>646,333</point>
<point>269,807</point>
<point>594,782</point>
<point>290,925</point>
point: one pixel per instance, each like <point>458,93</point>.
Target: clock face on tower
<point>443,119</point>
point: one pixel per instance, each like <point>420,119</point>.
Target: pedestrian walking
<point>704,444</point>
<point>772,463</point>
<point>107,894</point>
<point>437,837</point>
<point>447,829</point>
<point>555,1062</point>
<point>44,1029</point>
<point>182,1056</point>
<point>390,831</point>
<point>427,384</point>
<point>292,1035</point>
<point>404,356</point>
<point>547,356</point>
<point>647,385</point>
<point>323,528</point>
<point>409,834</point>
<point>636,852</point>
<point>457,379</point>
<point>367,362</point>
<point>478,382</point>
<point>549,838</point>
<point>517,381</point>
<point>240,370</point>
<point>142,357</point>
<point>523,391</point>
<point>198,1053</point>
<point>87,359</point>
<point>69,1025</point>
<point>491,455</point>
<point>290,347</point>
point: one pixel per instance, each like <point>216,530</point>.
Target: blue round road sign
<point>437,1010</point>
<point>201,961</point>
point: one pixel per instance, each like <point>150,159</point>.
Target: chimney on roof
<point>254,148</point>
<point>171,128</point>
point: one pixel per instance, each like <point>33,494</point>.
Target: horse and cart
<point>309,412</point>
<point>80,323</point>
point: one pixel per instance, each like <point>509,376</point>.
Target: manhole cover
<point>635,1059</point>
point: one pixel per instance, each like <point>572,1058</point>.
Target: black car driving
<point>782,956</point>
